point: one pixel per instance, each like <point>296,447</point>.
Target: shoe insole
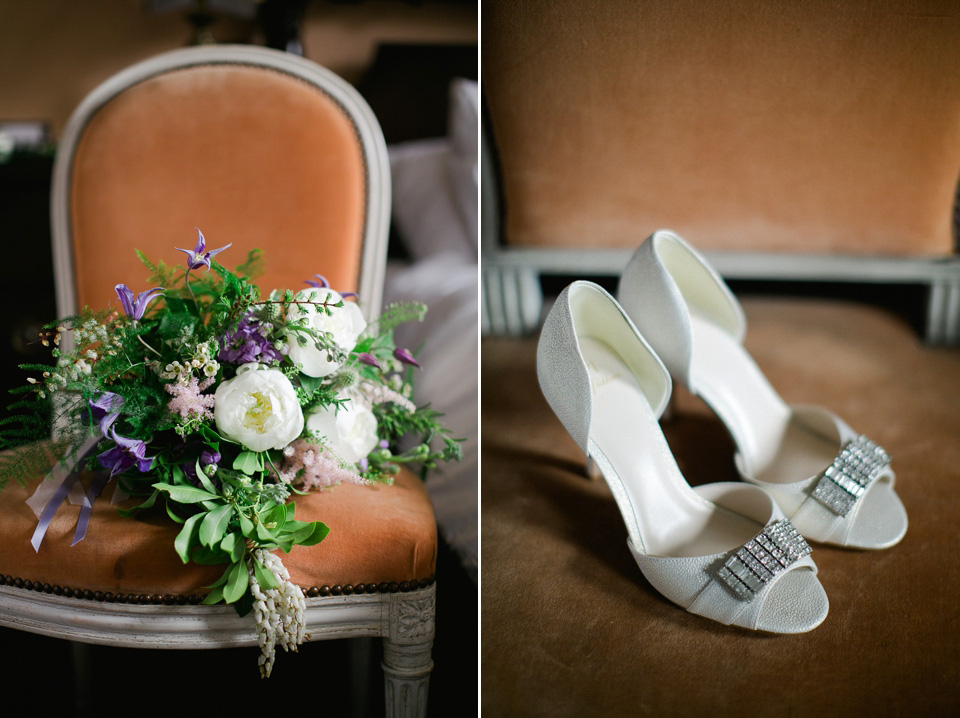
<point>773,445</point>
<point>664,516</point>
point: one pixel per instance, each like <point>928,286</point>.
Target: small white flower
<point>258,408</point>
<point>349,431</point>
<point>345,323</point>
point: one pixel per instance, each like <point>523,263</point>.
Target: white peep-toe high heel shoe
<point>835,485</point>
<point>724,551</point>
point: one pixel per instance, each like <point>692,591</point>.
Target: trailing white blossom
<point>279,612</point>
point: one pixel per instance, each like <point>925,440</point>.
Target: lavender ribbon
<point>96,486</point>
<point>47,508</point>
<point>51,509</point>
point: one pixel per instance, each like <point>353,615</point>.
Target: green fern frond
<point>400,313</point>
<point>160,274</point>
<point>25,463</point>
<point>253,267</point>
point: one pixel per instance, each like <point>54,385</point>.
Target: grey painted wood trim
<point>202,627</point>
<point>508,302</point>
<point>405,621</point>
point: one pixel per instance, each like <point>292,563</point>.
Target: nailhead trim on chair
<point>181,600</point>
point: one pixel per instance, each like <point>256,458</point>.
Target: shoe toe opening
<point>881,520</point>
<point>797,603</point>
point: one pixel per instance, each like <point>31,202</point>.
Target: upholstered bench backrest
<point>811,126</point>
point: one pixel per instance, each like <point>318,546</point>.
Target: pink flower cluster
<point>310,466</point>
<point>187,400</point>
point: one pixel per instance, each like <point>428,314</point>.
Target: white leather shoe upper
<point>722,551</point>
<point>696,325</point>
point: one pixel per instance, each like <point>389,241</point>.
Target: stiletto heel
<point>835,485</point>
<point>723,551</point>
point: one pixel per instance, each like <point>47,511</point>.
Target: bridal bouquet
<point>218,405</point>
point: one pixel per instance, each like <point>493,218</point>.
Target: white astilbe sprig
<point>379,394</point>
<point>279,612</point>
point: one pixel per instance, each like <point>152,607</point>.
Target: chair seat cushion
<point>379,535</point>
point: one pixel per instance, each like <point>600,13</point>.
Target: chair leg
<point>406,675</point>
<point>360,654</point>
<point>82,677</point>
<point>512,300</point>
<point>407,647</point>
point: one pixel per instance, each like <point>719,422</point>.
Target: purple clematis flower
<point>136,305</point>
<point>369,360</point>
<point>125,455</point>
<point>199,256</point>
<point>406,357</point>
<point>106,409</point>
<point>322,282</point>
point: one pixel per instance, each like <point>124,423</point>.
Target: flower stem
<point>140,339</point>
<point>186,281</point>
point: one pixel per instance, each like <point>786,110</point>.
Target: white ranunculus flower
<point>349,431</point>
<point>345,323</point>
<point>258,408</point>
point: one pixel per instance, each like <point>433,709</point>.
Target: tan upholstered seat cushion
<point>378,534</point>
<point>572,628</point>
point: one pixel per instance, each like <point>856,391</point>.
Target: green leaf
<point>233,545</point>
<point>178,475</point>
<point>209,556</point>
<point>264,534</point>
<point>311,384</point>
<point>246,526</point>
<point>265,578</point>
<point>220,582</point>
<point>173,516</point>
<point>215,596</point>
<point>186,494</point>
<point>285,544</point>
<point>273,514</point>
<point>204,479</point>
<point>318,533</point>
<point>214,525</point>
<point>237,582</point>
<point>244,605</point>
<point>249,462</point>
<point>212,438</point>
<point>127,513</point>
<point>304,533</point>
<point>187,537</point>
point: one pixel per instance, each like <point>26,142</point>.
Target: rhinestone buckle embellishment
<point>761,558</point>
<point>847,479</point>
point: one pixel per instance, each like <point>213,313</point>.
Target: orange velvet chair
<point>768,137</point>
<point>262,150</point>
